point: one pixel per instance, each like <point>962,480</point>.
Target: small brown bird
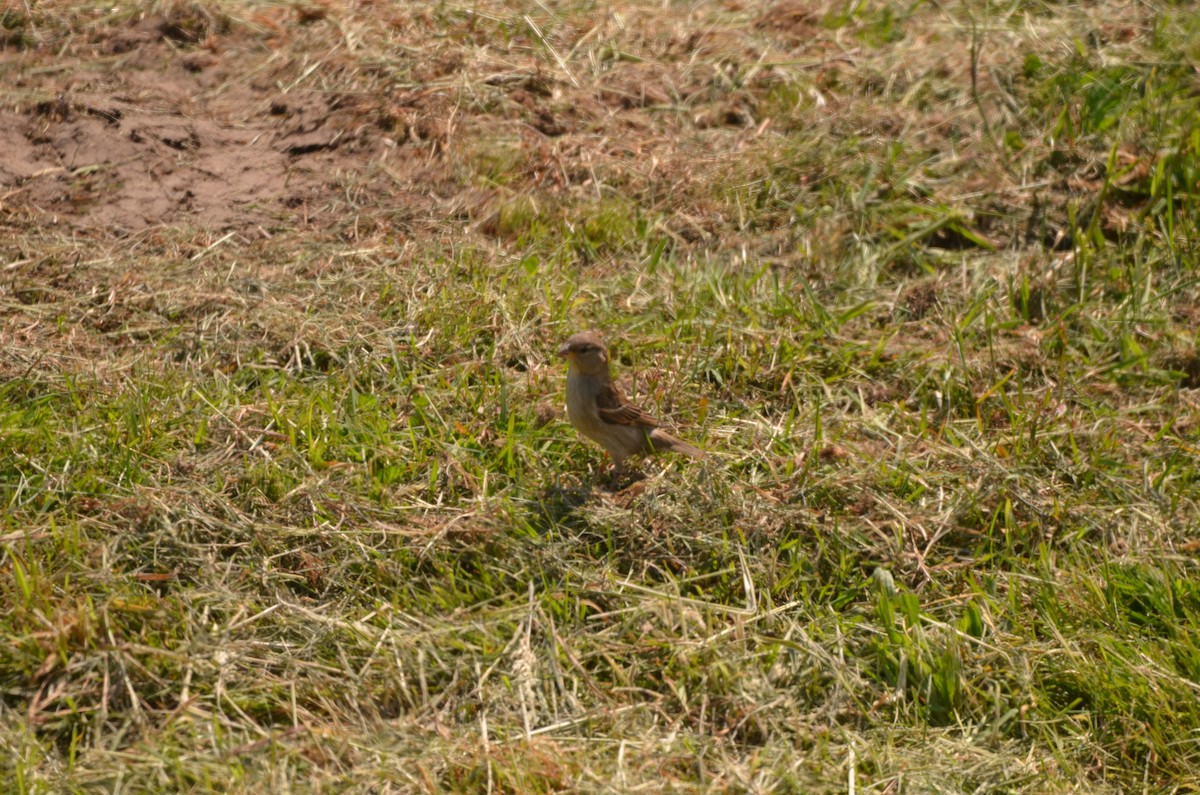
<point>600,412</point>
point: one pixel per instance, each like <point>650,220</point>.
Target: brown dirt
<point>157,131</point>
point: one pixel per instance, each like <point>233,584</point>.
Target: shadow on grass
<point>557,509</point>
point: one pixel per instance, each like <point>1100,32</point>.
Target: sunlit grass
<point>302,512</point>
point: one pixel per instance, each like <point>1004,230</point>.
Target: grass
<point>299,509</point>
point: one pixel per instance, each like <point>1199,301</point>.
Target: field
<point>289,501</point>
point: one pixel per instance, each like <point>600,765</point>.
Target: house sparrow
<point>600,412</point>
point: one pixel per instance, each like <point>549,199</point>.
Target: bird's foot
<point>622,479</point>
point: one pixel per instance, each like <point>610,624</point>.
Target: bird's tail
<point>665,441</point>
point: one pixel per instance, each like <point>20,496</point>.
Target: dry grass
<point>287,502</point>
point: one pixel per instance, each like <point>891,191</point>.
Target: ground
<point>289,501</point>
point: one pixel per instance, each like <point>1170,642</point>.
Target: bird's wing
<point>615,408</point>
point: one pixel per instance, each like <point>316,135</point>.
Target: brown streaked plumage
<point>600,412</point>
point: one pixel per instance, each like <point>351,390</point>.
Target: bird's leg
<point>618,469</point>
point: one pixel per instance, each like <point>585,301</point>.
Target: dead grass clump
<point>1184,363</point>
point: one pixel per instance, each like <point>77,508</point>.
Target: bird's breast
<point>581,404</point>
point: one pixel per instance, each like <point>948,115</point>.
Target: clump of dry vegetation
<point>287,502</point>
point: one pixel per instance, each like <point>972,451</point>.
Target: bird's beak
<point>564,350</point>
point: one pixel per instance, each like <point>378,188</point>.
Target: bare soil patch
<point>148,126</point>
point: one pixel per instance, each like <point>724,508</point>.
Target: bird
<point>599,411</point>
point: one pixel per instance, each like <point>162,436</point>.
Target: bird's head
<point>585,352</point>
